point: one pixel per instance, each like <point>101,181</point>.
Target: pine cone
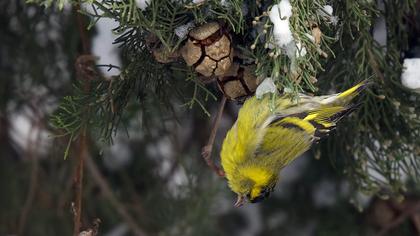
<point>239,84</point>
<point>208,49</point>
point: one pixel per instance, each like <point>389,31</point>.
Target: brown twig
<point>83,150</point>
<point>33,182</point>
<point>65,193</point>
<point>415,218</point>
<point>84,38</point>
<point>207,150</point>
<point>78,185</point>
<point>408,211</point>
<point>375,67</point>
<point>106,189</point>
<point>93,231</point>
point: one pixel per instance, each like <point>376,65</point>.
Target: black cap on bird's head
<point>253,197</point>
<point>265,193</point>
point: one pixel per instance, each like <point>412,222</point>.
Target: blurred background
<point>151,180</point>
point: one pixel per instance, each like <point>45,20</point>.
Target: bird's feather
<point>268,136</point>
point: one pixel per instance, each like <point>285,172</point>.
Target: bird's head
<point>252,184</point>
<point>251,179</point>
<point>255,194</point>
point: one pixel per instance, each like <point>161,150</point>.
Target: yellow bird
<point>265,138</point>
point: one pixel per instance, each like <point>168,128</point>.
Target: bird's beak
<point>239,201</point>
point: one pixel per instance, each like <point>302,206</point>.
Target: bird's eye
<point>265,193</point>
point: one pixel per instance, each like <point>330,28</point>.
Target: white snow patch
<point>142,4</point>
<point>30,138</point>
<point>182,30</point>
<point>301,50</point>
<point>102,47</point>
<point>361,201</point>
<point>326,12</point>
<point>119,155</point>
<point>177,182</point>
<point>379,30</point>
<point>267,86</point>
<point>327,9</point>
<point>410,76</point>
<point>279,15</point>
<point>283,37</point>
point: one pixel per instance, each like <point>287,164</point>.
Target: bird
<point>272,131</point>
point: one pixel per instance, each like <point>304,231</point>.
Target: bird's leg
<point>207,150</point>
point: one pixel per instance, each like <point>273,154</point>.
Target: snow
<point>326,12</point>
<point>285,9</point>
<point>32,139</point>
<point>119,155</point>
<point>410,76</point>
<point>379,30</point>
<point>301,50</point>
<point>182,30</point>
<point>107,52</point>
<point>267,86</point>
<point>328,9</point>
<point>279,16</point>
<point>283,37</point>
<point>102,47</point>
<point>142,4</point>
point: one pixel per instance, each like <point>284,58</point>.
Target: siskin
<point>265,139</point>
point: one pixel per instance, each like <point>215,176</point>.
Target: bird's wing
<point>288,136</point>
<point>284,139</point>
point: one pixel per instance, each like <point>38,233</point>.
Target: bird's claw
<point>206,154</point>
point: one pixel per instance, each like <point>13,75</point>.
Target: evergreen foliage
<point>376,149</point>
<point>346,54</point>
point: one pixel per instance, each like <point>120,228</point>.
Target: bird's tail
<point>345,97</point>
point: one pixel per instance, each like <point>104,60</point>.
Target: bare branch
<point>409,210</point>
<point>106,189</point>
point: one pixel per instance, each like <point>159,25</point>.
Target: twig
<point>408,211</point>
<point>83,151</point>
<point>106,189</point>
<point>78,185</point>
<point>375,67</point>
<point>33,182</point>
<point>415,218</point>
<point>93,231</point>
<point>207,150</point>
<point>64,194</point>
<point>82,30</point>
